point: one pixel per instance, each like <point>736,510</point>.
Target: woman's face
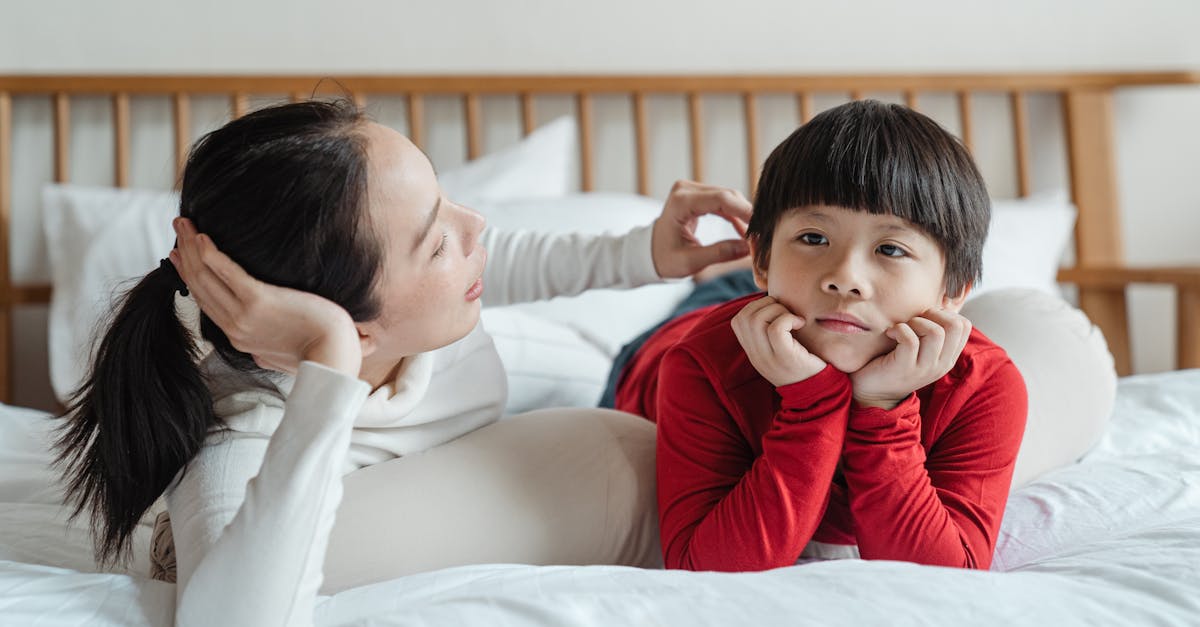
<point>433,262</point>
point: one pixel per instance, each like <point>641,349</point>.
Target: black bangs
<point>882,159</point>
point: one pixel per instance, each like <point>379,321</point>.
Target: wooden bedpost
<point>6,304</point>
<point>1088,115</point>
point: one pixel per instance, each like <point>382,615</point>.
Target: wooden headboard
<point>1087,113</point>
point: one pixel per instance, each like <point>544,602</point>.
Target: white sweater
<point>253,510</point>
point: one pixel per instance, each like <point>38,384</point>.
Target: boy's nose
<point>845,279</point>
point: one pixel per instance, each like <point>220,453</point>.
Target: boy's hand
<point>927,347</point>
<point>764,329</point>
<point>674,247</point>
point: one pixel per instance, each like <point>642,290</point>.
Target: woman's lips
<point>476,290</point>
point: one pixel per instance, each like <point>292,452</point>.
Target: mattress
<point>1112,539</point>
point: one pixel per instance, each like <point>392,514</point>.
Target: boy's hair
<point>882,159</point>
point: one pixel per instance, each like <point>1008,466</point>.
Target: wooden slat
<point>62,137</point>
<point>416,119</point>
<point>856,94</point>
<point>6,346</point>
<point>528,114</point>
<point>696,126</point>
<point>26,295</point>
<point>1187,326</point>
<point>750,110</point>
<point>1182,277</point>
<point>804,106</point>
<point>474,128</point>
<point>1090,146</point>
<point>1020,141</point>
<point>584,107</point>
<point>240,104</point>
<point>491,84</point>
<point>964,118</point>
<point>183,133</point>
<point>120,109</point>
<point>639,133</point>
<point>910,99</point>
<point>360,99</point>
<point>299,96</point>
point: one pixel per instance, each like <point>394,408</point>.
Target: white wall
<point>1158,132</point>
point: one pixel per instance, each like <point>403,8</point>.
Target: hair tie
<point>169,267</point>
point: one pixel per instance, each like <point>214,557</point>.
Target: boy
<point>849,411</point>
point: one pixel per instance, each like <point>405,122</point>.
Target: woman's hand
<point>927,347</point>
<point>279,327</point>
<point>677,253</point>
<point>764,329</point>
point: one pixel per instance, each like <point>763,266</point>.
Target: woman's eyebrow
<point>428,224</point>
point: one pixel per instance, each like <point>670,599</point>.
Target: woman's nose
<point>473,224</point>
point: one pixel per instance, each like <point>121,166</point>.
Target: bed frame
<point>1086,100</point>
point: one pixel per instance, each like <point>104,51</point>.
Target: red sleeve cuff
<point>820,387</point>
<point>908,412</point>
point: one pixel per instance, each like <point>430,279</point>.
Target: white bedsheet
<point>1114,539</point>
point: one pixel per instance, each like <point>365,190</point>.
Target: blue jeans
<point>719,290</point>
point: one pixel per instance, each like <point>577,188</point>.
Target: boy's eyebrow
<point>897,227</point>
<point>816,213</point>
<point>428,224</point>
<point>821,216</point>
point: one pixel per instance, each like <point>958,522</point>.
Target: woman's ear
<point>366,337</point>
<point>760,273</point>
<point>955,303</point>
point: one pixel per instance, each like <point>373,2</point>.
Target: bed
<point>1114,538</point>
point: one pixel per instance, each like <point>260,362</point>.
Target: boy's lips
<point>842,323</point>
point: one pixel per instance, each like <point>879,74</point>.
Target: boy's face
<point>851,275</point>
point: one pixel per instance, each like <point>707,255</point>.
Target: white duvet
<point>1114,539</point>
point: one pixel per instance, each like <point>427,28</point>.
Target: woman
<point>345,326</point>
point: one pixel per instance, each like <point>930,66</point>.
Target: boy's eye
<point>441,247</point>
<point>813,239</point>
<point>891,250</point>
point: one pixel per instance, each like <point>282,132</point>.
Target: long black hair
<point>282,191</point>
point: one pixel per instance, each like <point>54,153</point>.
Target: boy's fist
<point>927,347</point>
<point>764,329</point>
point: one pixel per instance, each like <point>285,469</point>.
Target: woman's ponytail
<point>140,415</point>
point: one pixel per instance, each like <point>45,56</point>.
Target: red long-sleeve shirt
<point>749,473</point>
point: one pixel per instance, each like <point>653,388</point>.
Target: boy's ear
<point>955,303</point>
<point>760,274</point>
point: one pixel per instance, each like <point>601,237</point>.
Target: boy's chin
<point>845,361</point>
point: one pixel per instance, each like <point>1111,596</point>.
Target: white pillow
<point>98,237</point>
<point>540,165</point>
<point>1026,242</point>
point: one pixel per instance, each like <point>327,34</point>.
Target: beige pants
<point>1068,373</point>
<point>559,486</point>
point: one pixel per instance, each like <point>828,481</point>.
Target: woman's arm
<point>252,553</point>
<point>257,560</point>
<point>525,266</point>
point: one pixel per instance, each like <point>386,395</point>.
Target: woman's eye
<point>813,239</point>
<point>891,250</point>
<point>441,247</point>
